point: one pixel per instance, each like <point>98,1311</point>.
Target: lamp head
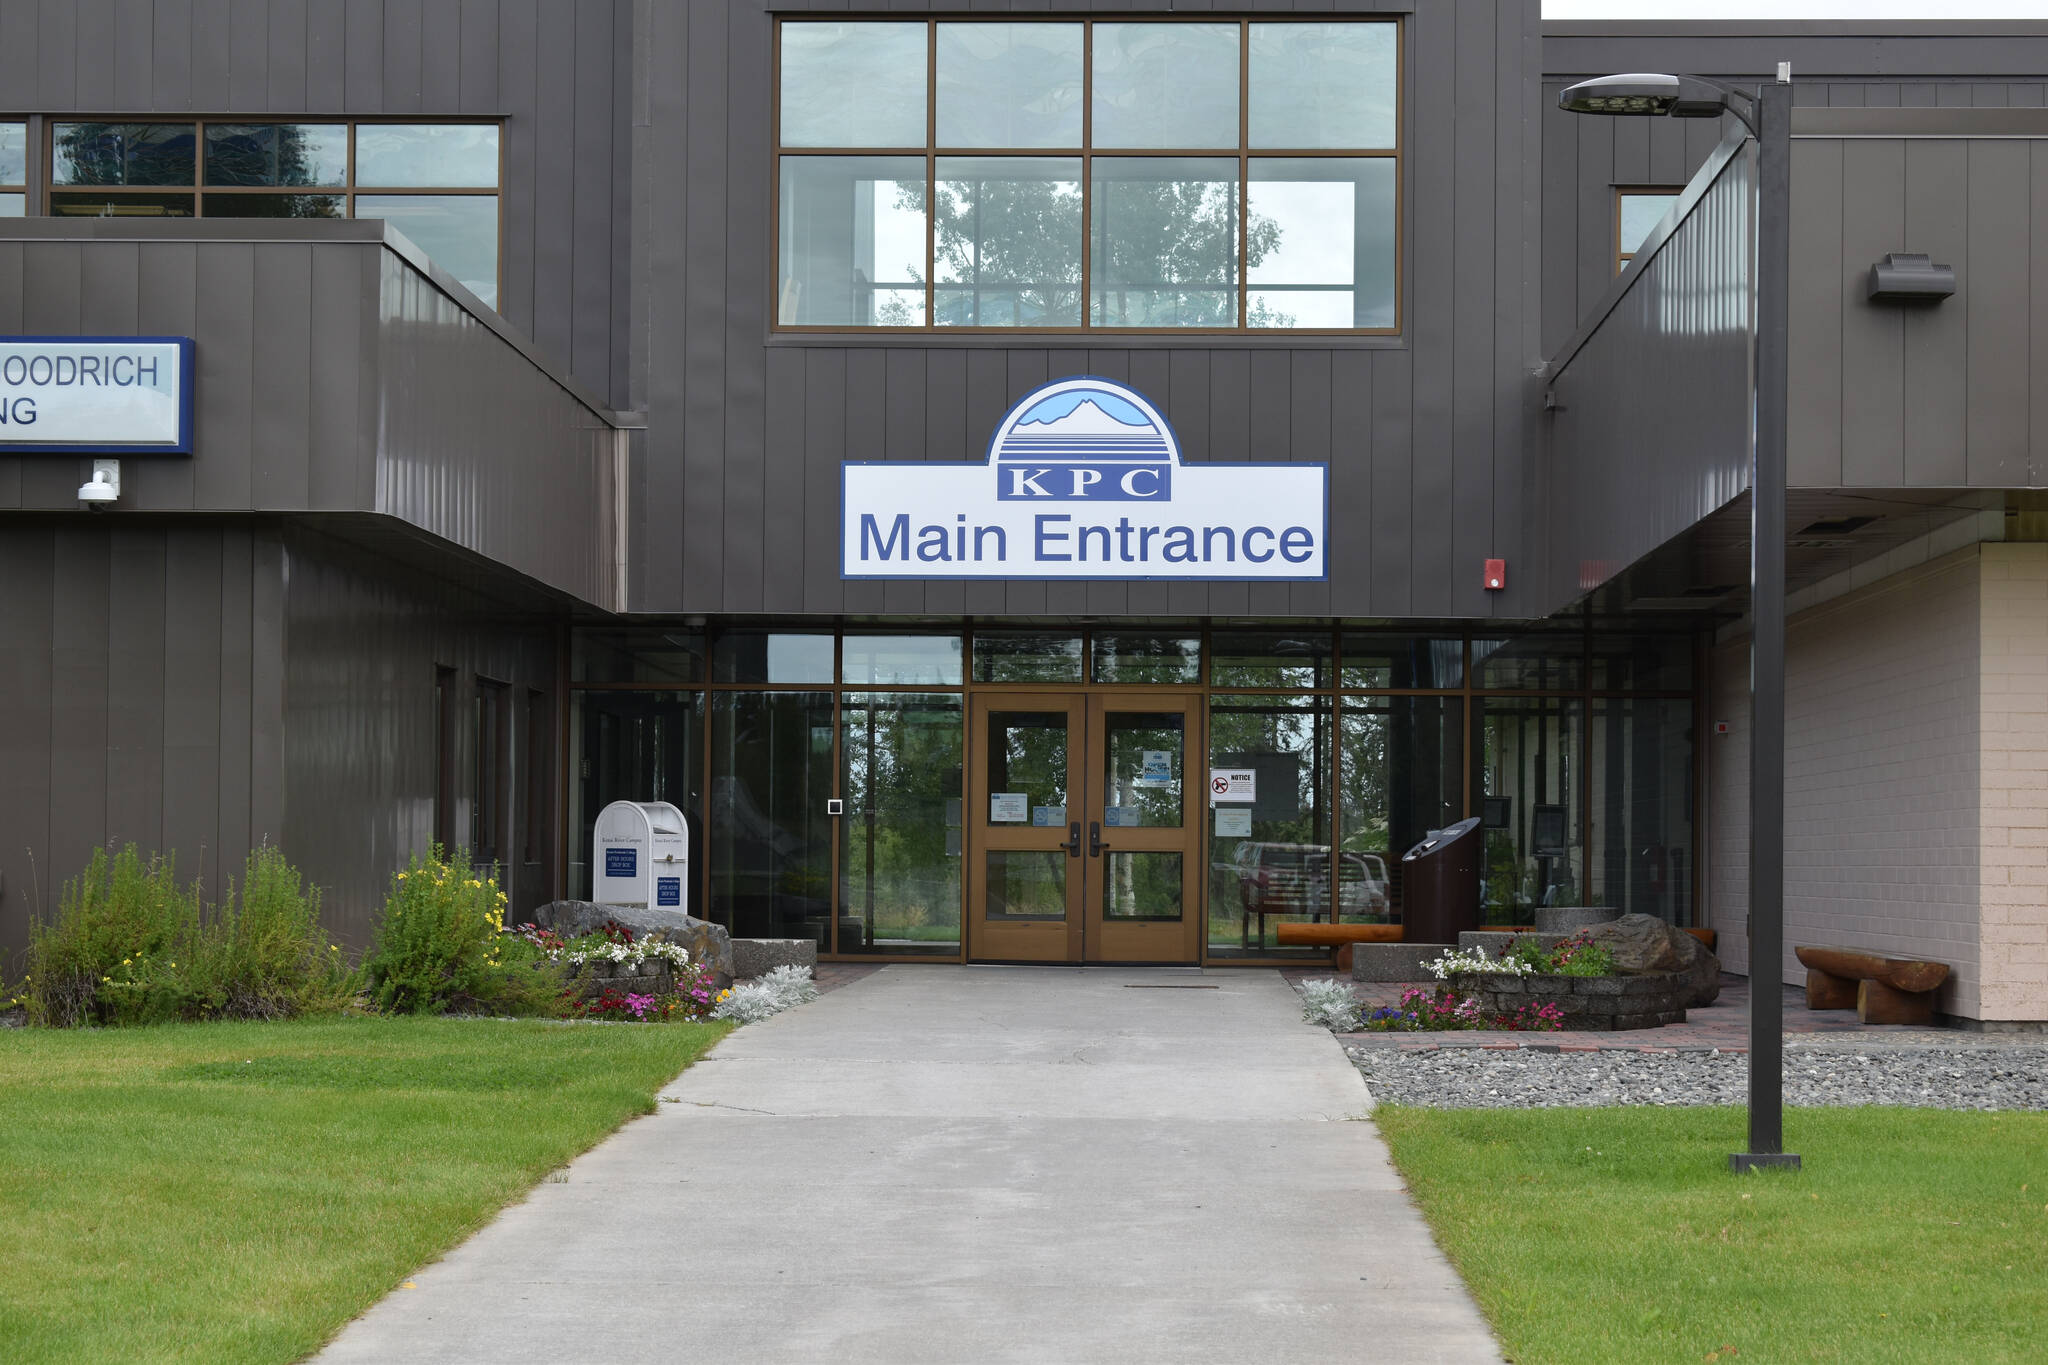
<point>1646,94</point>
<point>105,486</point>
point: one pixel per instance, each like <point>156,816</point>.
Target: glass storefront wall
<point>1575,747</point>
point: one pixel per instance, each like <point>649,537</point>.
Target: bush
<point>131,946</point>
<point>749,1002</point>
<point>439,947</point>
<point>1329,1003</point>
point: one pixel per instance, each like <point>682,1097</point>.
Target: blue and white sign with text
<point>95,395</point>
<point>1084,480</point>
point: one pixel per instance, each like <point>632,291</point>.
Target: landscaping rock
<point>1569,919</point>
<point>752,957</point>
<point>1394,961</point>
<point>1644,943</point>
<point>707,942</point>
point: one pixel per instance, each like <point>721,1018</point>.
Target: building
<point>925,447</point>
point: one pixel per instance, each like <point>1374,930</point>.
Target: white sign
<point>105,395</point>
<point>1009,808</point>
<point>1233,822</point>
<point>1233,784</point>
<point>1157,768</point>
<point>1084,480</point>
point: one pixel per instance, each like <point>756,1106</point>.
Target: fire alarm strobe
<point>1496,574</point>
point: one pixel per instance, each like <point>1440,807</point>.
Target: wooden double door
<point>1084,827</point>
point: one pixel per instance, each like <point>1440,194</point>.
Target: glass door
<point>1025,866</point>
<point>1144,829</point>
<point>1086,828</point>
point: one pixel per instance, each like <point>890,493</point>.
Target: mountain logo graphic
<point>1084,440</point>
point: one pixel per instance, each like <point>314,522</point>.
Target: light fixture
<point>1647,94</point>
<point>105,486</point>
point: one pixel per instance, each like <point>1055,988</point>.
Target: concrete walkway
<point>965,1164</point>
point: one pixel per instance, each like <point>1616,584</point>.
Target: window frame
<point>1626,192</point>
<point>1243,153</point>
<point>42,142</point>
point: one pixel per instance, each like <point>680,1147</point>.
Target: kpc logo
<point>1082,440</point>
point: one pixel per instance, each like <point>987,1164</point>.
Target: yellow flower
<point>124,962</point>
<point>401,876</point>
<point>106,981</point>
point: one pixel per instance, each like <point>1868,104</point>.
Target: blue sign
<point>621,862</point>
<point>668,890</point>
<point>1084,480</point>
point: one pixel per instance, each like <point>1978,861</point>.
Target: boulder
<point>707,942</point>
<point>1644,943</point>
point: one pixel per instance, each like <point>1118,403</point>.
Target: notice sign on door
<point>1009,808</point>
<point>1233,784</point>
<point>1157,769</point>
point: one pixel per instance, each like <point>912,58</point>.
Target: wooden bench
<point>1338,936</point>
<point>1882,990</point>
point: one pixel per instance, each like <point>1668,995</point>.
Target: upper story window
<point>1635,213</point>
<point>13,169</point>
<point>436,182</point>
<point>1131,175</point>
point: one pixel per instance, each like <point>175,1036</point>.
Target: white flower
<point>1460,961</point>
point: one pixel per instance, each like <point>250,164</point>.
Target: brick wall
<point>1882,776</point>
<point>2013,866</point>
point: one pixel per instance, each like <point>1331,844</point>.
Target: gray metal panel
<point>1873,374</point>
<point>134,626</point>
<point>1670,355</point>
<point>1997,392</point>
<point>28,565</point>
<point>1937,339</point>
<point>193,631</point>
<point>1814,420</point>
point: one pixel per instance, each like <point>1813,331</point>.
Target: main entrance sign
<point>1084,480</point>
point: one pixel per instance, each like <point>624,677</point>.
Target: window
<point>435,182</point>
<point>1635,213</point>
<point>533,842</point>
<point>491,786</point>
<point>13,170</point>
<point>1127,175</point>
<point>446,717</point>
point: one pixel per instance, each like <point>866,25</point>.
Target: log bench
<point>1338,936</point>
<point>1882,990</point>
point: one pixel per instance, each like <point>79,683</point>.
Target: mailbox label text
<point>622,862</point>
<point>668,890</point>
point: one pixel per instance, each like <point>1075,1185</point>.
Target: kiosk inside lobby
<point>1029,485</point>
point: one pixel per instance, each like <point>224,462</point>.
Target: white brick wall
<point>2013,869</point>
<point>1882,776</point>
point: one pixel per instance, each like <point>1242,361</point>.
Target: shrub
<point>749,1002</point>
<point>1330,1003</point>
<point>439,947</point>
<point>130,946</point>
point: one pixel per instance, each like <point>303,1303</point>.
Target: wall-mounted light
<point>104,487</point>
<point>1906,277</point>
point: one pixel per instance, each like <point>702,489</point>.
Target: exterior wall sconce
<point>1904,277</point>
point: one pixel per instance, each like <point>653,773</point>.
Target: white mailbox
<point>640,855</point>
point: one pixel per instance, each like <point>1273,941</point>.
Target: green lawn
<point>237,1192</point>
<point>1594,1235</point>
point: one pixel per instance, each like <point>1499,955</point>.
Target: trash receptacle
<point>1440,884</point>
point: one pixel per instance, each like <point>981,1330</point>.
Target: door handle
<point>1073,843</point>
<point>1095,844</point>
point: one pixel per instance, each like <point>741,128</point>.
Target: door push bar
<point>1073,843</point>
<point>1095,844</point>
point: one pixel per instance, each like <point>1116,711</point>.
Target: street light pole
<point>1767,635</point>
<point>1768,116</point>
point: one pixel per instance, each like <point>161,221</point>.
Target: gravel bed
<point>1972,1077</point>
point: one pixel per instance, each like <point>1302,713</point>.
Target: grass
<point>1593,1235</point>
<point>238,1192</point>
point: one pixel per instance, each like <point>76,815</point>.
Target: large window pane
<point>440,155</point>
<point>1642,807</point>
<point>1539,661</point>
<point>1008,85</point>
<point>1642,663</point>
<point>1142,777</point>
<point>852,241</point>
<point>1526,770</point>
<point>770,841</point>
<point>634,746</point>
<point>636,656</point>
<point>1027,656</point>
<point>277,154</point>
<point>13,205</point>
<point>901,838</point>
<point>1008,241</point>
<point>122,154</point>
<point>772,656</point>
<point>1323,85</point>
<point>13,153</point>
<point>276,206</point>
<point>853,84</point>
<point>1147,657</point>
<point>1164,242</point>
<point>1320,242</point>
<point>1270,659</point>
<point>901,660</point>
<point>88,204</point>
<point>1165,85</point>
<point>1269,861</point>
<point>1402,776</point>
<point>459,231</point>
<point>1376,661</point>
